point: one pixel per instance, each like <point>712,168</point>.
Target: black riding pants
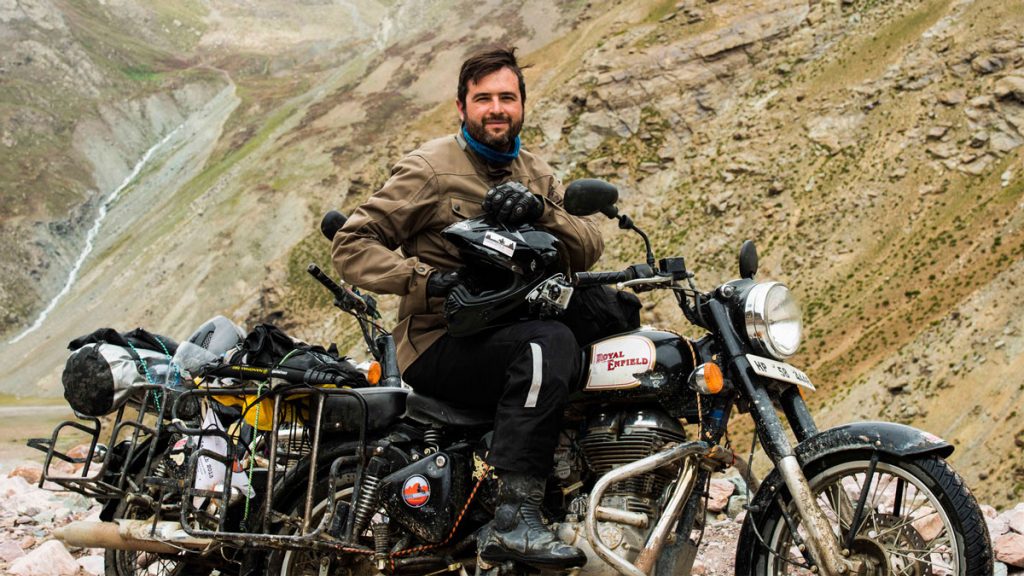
<point>523,372</point>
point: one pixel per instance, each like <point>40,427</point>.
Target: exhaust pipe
<point>167,538</point>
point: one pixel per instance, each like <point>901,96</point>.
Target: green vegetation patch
<point>140,73</point>
<point>631,152</point>
<point>868,55</point>
<point>305,296</point>
<point>661,9</point>
<point>178,210</point>
<point>305,291</point>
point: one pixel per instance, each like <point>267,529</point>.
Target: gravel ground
<point>29,514</point>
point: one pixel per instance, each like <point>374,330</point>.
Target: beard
<point>501,142</point>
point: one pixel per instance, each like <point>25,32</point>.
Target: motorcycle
<point>629,483</point>
<point>389,480</point>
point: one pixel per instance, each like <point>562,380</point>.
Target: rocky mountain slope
<point>85,89</point>
<point>872,149</point>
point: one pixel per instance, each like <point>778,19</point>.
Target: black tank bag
<point>596,312</point>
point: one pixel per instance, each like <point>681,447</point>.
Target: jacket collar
<point>492,173</point>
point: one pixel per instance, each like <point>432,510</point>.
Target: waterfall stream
<point>93,232</point>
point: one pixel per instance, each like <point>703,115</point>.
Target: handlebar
<point>600,278</point>
<point>348,299</point>
<point>312,376</point>
<point>634,272</point>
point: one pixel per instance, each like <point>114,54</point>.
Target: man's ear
<point>461,109</point>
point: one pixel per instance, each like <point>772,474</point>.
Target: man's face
<point>493,112</point>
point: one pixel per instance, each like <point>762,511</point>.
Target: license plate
<point>779,371</point>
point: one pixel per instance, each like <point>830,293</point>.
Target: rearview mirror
<point>590,196</point>
<point>748,259</point>
<point>332,222</point>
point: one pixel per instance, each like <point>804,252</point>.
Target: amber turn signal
<point>707,379</point>
<point>373,373</point>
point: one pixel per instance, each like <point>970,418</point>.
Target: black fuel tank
<point>642,366</point>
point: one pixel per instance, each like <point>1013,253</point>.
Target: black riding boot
<point>519,533</point>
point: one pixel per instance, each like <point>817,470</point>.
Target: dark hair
<point>487,62</point>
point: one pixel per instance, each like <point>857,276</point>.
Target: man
<point>524,371</point>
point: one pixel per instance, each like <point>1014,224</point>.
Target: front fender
<point>887,437</point>
<point>892,441</point>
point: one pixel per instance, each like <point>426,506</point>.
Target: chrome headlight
<point>772,318</point>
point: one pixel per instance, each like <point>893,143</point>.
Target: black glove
<point>439,283</point>
<point>512,203</point>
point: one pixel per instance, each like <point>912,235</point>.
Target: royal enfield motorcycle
<point>643,434</point>
<point>385,479</point>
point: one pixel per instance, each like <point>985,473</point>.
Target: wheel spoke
<point>917,558</point>
<point>907,521</point>
<point>898,500</point>
<point>858,513</point>
<point>832,501</point>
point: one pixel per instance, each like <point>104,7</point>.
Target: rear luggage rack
<point>294,439</point>
<point>129,448</point>
<point>152,458</point>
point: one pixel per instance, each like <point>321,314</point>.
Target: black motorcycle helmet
<point>502,265</point>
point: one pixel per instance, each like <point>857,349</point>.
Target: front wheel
<point>895,516</point>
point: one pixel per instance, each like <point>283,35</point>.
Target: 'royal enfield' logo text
<point>616,362</point>
<point>617,359</point>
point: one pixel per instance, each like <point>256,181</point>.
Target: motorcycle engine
<point>609,441</point>
<point>612,440</point>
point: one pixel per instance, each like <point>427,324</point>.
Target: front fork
<point>821,541</point>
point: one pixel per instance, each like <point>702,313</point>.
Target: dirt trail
<point>19,423</point>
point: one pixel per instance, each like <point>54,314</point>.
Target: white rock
<point>13,486</point>
<point>1015,518</point>
<point>75,503</point>
<point>1009,548</point>
<point>952,97</point>
<point>997,526</point>
<point>984,101</point>
<point>92,564</point>
<point>834,132</point>
<point>1004,142</point>
<point>44,517</point>
<point>94,514</point>
<point>50,559</point>
<point>10,551</point>
<point>720,491</point>
<point>1010,87</point>
<point>31,503</point>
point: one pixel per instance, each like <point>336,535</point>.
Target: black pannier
<point>105,366</point>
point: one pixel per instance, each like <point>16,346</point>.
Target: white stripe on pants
<point>538,376</point>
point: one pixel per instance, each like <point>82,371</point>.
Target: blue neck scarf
<point>490,154</point>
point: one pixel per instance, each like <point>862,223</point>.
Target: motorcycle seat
<point>342,413</point>
<point>427,410</point>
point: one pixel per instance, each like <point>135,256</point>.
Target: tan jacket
<point>435,186</point>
